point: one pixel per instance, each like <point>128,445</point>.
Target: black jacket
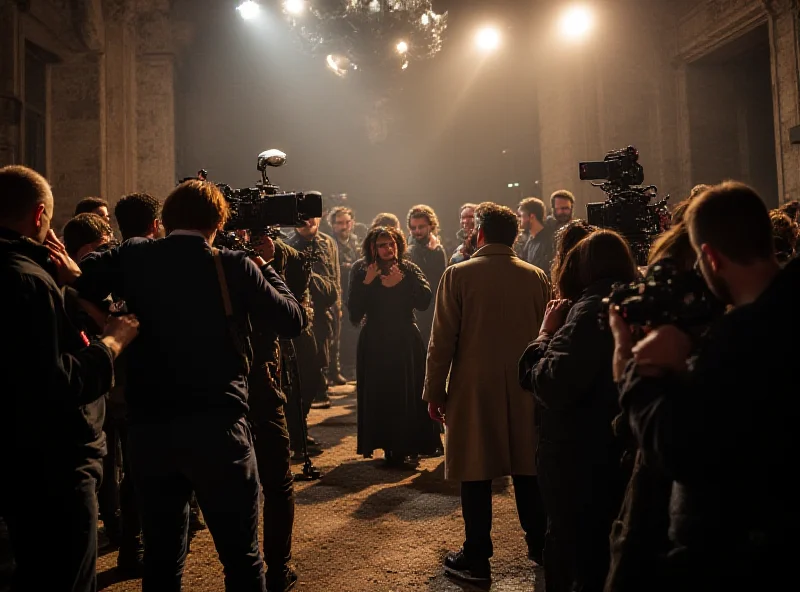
<point>570,376</point>
<point>726,433</point>
<point>185,360</point>
<point>51,383</point>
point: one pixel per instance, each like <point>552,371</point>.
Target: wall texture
<point>110,108</point>
<point>634,88</point>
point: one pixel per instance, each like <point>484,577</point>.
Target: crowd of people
<point>161,384</point>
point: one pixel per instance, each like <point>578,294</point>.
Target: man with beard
<point>703,421</point>
<point>465,236</point>
<point>428,254</point>
<point>309,238</point>
<point>343,354</point>
<point>562,204</point>
<point>535,243</point>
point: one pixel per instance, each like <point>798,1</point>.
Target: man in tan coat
<point>487,311</point>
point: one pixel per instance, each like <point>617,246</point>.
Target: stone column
<point>120,98</point>
<point>77,131</point>
<point>155,99</point>
<point>783,21</point>
<point>10,104</point>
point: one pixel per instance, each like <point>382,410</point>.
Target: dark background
<point>442,126</point>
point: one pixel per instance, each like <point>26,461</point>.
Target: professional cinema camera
<point>631,210</point>
<point>668,295</point>
<point>261,211</point>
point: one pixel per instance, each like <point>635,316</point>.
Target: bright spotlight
<point>294,6</point>
<point>248,10</point>
<point>576,22</point>
<point>488,39</point>
<point>402,47</point>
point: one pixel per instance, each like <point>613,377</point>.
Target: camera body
<point>631,210</point>
<point>262,210</point>
<point>667,295</point>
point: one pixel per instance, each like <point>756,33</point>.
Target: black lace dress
<point>390,367</point>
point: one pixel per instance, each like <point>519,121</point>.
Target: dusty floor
<point>365,528</point>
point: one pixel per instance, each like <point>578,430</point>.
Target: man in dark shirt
<point>724,427</point>
<point>343,358</point>
<point>308,238</point>
<point>535,243</point>
<point>426,252</point>
<point>187,381</point>
<point>51,396</point>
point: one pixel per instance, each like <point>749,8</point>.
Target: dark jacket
<point>726,433</point>
<point>52,381</point>
<point>570,376</point>
<point>189,358</point>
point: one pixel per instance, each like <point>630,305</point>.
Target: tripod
<point>292,379</point>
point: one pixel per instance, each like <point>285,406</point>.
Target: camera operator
<point>728,450</point>
<point>51,396</point>
<point>187,381</point>
<point>308,238</point>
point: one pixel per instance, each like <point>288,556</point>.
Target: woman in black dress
<point>385,290</point>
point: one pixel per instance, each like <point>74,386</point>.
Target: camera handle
<point>310,472</point>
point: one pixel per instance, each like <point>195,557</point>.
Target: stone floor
<point>364,528</point>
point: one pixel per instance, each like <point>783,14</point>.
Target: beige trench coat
<point>488,309</point>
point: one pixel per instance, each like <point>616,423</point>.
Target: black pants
<point>334,364</point>
<point>271,440</point>
<point>348,343</point>
<point>213,457</point>
<point>302,395</point>
<point>476,505</point>
<point>35,504</point>
<point>116,495</point>
<point>580,500</point>
<point>323,331</point>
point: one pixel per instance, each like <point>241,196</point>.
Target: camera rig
<point>631,209</point>
<point>261,211</point>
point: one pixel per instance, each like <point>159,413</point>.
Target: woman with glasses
<point>385,290</point>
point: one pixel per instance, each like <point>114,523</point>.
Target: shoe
<point>282,583</point>
<point>536,557</point>
<point>130,561</point>
<point>311,441</point>
<point>196,522</point>
<point>337,380</point>
<point>322,402</point>
<point>457,565</point>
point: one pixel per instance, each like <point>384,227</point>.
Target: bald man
<point>51,396</point>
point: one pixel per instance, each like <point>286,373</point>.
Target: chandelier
<point>377,37</point>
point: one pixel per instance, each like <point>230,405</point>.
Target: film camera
<point>262,210</point>
<point>632,210</point>
<point>668,295</point>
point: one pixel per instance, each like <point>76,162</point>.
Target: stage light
<point>294,6</point>
<point>248,10</point>
<point>402,47</point>
<point>576,22</point>
<point>488,39</point>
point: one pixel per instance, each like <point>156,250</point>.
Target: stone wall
<point>637,89</point>
<point>110,116</point>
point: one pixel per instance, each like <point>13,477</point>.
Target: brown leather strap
<point>223,283</point>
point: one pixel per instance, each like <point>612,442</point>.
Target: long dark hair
<point>369,248</point>
<point>674,244</point>
<point>566,238</point>
<point>602,255</point>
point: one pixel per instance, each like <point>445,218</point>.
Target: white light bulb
<point>294,6</point>
<point>488,39</point>
<point>576,22</point>
<point>248,10</point>
<point>402,47</point>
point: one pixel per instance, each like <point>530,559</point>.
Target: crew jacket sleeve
<point>101,275</point>
<point>685,422</point>
<point>272,306</point>
<point>560,371</point>
<point>444,337</point>
<point>68,374</point>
